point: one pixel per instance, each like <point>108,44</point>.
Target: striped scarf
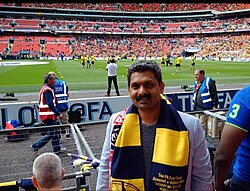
<point>169,166</point>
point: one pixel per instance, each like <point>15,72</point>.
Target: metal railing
<point>82,148</point>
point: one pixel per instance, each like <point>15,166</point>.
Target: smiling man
<point>151,146</point>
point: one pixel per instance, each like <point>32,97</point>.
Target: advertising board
<point>98,109</point>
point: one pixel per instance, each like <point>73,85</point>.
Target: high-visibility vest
<point>60,89</point>
<point>44,111</point>
<point>205,94</point>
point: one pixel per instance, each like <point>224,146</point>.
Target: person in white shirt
<point>112,76</point>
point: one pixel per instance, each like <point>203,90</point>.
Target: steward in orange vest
<point>48,113</point>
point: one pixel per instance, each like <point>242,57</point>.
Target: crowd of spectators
<point>113,37</point>
<point>156,46</point>
<point>151,26</point>
<point>126,46</point>
<point>139,7</point>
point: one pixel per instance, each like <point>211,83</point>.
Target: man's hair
<point>46,77</point>
<point>47,169</point>
<point>201,71</point>
<point>51,72</point>
<point>144,66</point>
<point>112,60</point>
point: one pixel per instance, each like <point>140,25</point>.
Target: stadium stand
<point>161,33</point>
<point>120,29</point>
<point>139,7</point>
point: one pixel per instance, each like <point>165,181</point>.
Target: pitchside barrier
<point>99,109</point>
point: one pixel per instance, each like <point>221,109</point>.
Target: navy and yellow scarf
<point>169,167</point>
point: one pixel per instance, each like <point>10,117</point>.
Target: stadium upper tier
<point>76,31</point>
<point>139,7</point>
<point>24,19</point>
<point>222,25</point>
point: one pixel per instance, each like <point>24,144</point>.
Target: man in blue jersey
<point>235,139</point>
<point>62,93</point>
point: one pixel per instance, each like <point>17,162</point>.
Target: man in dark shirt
<point>205,95</point>
<point>48,114</point>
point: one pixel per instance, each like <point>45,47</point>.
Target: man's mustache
<point>139,97</point>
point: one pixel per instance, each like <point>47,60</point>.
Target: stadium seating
<point>85,32</point>
<point>140,7</point>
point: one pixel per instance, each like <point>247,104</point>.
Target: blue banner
<point>184,101</point>
<point>99,109</point>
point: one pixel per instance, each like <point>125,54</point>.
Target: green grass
<point>30,78</point>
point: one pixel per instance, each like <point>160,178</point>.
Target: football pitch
<point>29,78</point>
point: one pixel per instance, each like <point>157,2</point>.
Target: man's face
<point>199,77</point>
<point>145,90</point>
<point>51,81</point>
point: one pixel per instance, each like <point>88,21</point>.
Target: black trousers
<point>114,79</point>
